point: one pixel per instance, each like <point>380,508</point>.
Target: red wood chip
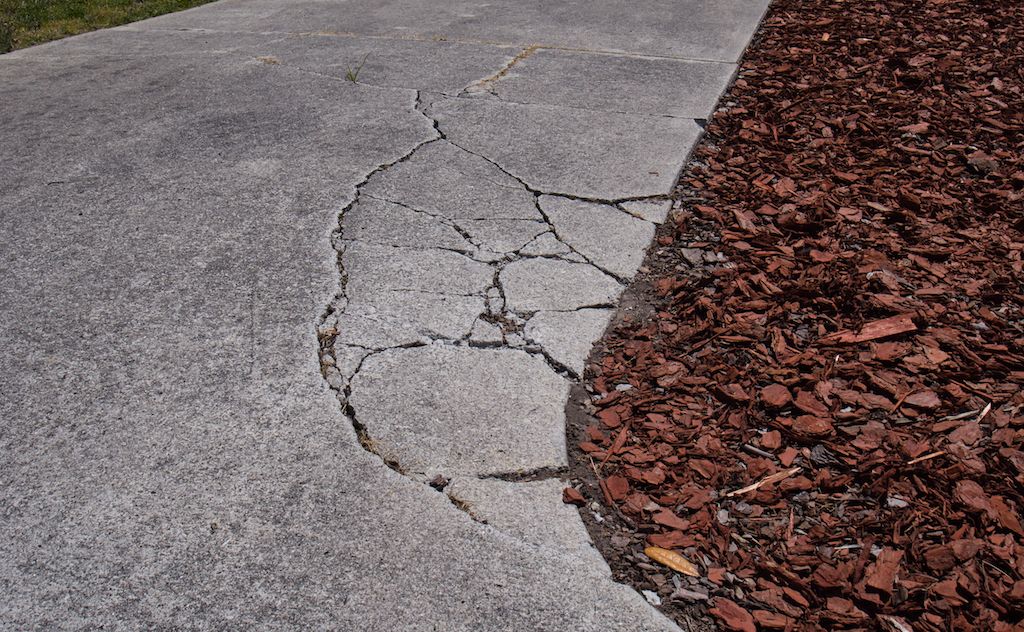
<point>732,616</point>
<point>666,518</point>
<point>776,396</point>
<point>771,440</point>
<point>834,307</point>
<point>923,399</point>
<point>812,426</point>
<point>768,620</point>
<point>882,574</point>
<point>808,403</point>
<point>617,486</point>
<point>874,330</point>
<point>572,496</point>
<point>970,494</point>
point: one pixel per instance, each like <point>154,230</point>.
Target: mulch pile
<point>838,314</point>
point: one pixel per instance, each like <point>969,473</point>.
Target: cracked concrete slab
<point>546,245</point>
<point>548,284</point>
<point>568,336</point>
<point>530,511</point>
<point>445,180</point>
<point>216,248</point>
<point>390,319</point>
<point>615,83</point>
<point>383,223</point>
<point>371,268</point>
<point>503,235</point>
<point>609,238</point>
<point>486,333</point>
<point>416,407</point>
<point>582,153</point>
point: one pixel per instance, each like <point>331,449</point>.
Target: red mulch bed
<point>839,303</point>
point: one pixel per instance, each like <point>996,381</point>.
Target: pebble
<point>895,502</point>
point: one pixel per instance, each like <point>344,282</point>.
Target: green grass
<point>27,22</point>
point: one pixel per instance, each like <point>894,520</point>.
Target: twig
<point>985,411</point>
<point>758,451</point>
<point>600,483</point>
<point>926,457</point>
<point>961,415</point>
<point>767,480</point>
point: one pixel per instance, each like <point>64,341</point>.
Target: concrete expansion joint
<point>485,84</point>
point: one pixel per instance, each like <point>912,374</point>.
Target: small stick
<point>901,400</point>
<point>984,411</point>
<point>758,451</point>
<point>926,457</point>
<point>767,480</point>
<point>961,415</point>
<point>600,483</point>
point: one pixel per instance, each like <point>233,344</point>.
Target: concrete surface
<point>249,308</point>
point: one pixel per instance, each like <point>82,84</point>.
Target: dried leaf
<point>672,560</point>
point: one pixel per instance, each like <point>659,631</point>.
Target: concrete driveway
<point>284,350</point>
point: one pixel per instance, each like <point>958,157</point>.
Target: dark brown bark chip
<point>835,309</point>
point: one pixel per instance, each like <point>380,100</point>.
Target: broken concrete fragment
<point>484,332</point>
<point>388,319</point>
<point>442,179</point>
<point>549,284</point>
<point>445,409</point>
<point>502,235</point>
<point>529,511</point>
<point>604,235</point>
<point>568,336</point>
<point>372,268</point>
<point>545,245</point>
<point>346,362</point>
<point>495,302</point>
<point>384,223</point>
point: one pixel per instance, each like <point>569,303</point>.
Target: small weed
<point>352,74</point>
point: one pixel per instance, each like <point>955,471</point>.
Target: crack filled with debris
<point>509,322</point>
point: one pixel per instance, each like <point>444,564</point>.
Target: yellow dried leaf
<point>672,560</point>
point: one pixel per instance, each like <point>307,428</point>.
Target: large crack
<point>511,323</point>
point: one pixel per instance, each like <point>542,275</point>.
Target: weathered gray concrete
<point>568,336</point>
<point>532,511</point>
<point>582,153</point>
<point>607,237</point>
<point>614,83</point>
<point>249,307</point>
<point>441,409</point>
<point>533,285</point>
<point>692,30</point>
